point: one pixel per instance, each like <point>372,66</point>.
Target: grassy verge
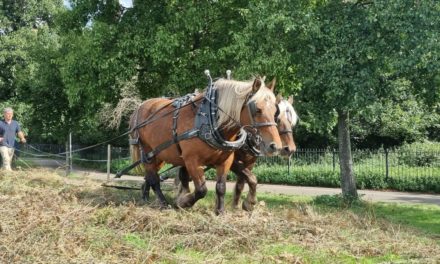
<point>45,218</point>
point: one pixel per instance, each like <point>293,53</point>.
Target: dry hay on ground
<point>45,218</point>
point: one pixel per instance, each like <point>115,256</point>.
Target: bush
<point>371,179</point>
<point>420,154</point>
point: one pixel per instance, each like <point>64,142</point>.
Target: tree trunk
<point>348,181</point>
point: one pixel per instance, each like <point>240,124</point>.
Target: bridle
<point>285,131</point>
<point>254,136</point>
<point>252,110</point>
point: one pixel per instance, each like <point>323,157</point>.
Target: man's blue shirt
<point>8,133</point>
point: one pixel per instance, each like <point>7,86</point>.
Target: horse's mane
<point>287,109</point>
<point>232,95</point>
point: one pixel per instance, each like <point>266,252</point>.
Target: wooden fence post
<point>70,152</point>
<point>334,159</point>
<point>109,158</point>
<point>67,159</point>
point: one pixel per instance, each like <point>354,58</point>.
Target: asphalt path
<point>368,195</point>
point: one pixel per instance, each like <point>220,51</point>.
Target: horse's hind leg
<point>145,190</point>
<point>152,180</point>
<point>184,181</point>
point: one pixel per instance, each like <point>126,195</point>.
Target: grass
<point>45,218</point>
<point>423,217</point>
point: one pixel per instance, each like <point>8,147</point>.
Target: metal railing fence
<point>383,162</point>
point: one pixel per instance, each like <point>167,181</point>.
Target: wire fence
<point>384,163</point>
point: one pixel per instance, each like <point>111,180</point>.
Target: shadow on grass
<point>424,218</point>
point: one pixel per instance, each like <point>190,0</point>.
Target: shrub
<point>420,154</point>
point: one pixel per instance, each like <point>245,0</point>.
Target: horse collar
<point>206,124</point>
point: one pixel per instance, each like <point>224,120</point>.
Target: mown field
<point>46,218</point>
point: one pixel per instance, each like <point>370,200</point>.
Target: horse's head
<point>287,120</point>
<point>253,105</point>
<point>260,112</point>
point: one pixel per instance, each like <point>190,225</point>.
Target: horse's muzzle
<point>271,149</point>
<point>287,151</point>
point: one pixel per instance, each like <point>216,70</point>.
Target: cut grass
<point>290,254</point>
<point>425,218</point>
<point>45,218</point>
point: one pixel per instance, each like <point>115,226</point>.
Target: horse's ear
<point>271,85</point>
<point>290,100</point>
<point>279,98</point>
<point>257,84</point>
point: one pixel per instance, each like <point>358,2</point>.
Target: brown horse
<point>245,158</point>
<point>240,104</point>
<point>244,161</point>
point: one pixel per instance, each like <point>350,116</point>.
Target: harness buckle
<point>207,135</point>
<point>133,141</point>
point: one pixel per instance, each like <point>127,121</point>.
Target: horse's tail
<point>135,144</point>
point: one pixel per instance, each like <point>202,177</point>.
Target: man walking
<point>8,130</point>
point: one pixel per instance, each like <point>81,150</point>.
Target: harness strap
<point>175,139</point>
<point>287,131</point>
<point>188,134</point>
<point>135,139</point>
<point>262,124</point>
<point>127,169</point>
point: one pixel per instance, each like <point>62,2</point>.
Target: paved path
<point>375,196</point>
<point>368,195</point>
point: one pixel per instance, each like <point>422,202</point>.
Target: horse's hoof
<point>247,206</point>
<point>219,212</point>
<point>165,206</point>
<point>185,200</point>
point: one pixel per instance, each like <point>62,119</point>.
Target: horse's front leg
<point>220,187</point>
<point>152,179</point>
<point>251,198</point>
<point>237,167</point>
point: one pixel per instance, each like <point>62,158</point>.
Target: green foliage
<point>337,201</point>
<point>415,179</point>
<point>378,60</point>
<point>393,122</point>
<point>420,154</point>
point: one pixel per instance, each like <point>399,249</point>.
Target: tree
<point>21,23</point>
<point>354,56</point>
<point>346,56</point>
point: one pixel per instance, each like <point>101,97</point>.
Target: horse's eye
<point>259,111</point>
